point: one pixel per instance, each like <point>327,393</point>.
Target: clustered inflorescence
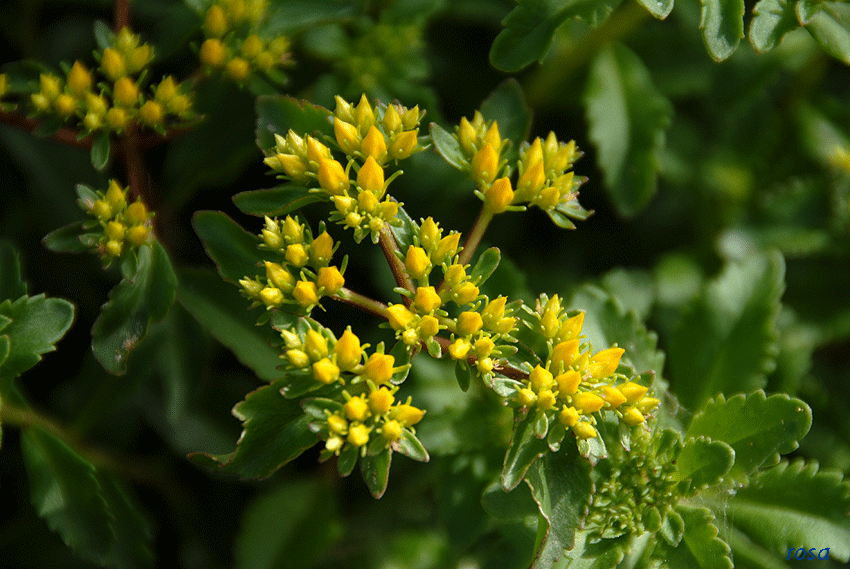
<point>123,226</point>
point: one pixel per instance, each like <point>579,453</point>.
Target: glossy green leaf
<point>133,305</point>
<point>219,308</point>
<point>772,19</point>
<point>507,106</point>
<point>703,462</point>
<point>561,486</point>
<point>722,25</point>
<point>487,262</point>
<point>376,472</point>
<point>725,341</point>
<point>278,114</point>
<point>276,201</point>
<point>701,548</point>
<point>658,8</point>
<point>100,151</point>
<point>411,447</point>
<point>794,505</point>
<point>69,239</point>
<point>531,25</point>
<point>269,540</point>
<point>757,427</point>
<point>448,147</point>
<point>233,249</point>
<point>829,24</point>
<point>275,431</point>
<point>33,325</point>
<point>11,285</point>
<point>523,450</point>
<point>628,118</point>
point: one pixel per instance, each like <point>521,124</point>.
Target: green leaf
<point>132,534</point>
<point>722,25</point>
<point>513,506</point>
<point>658,8</point>
<point>463,375</point>
<point>523,450</point>
<point>233,249</point>
<point>296,15</point>
<point>32,325</point>
<point>487,262</point>
<point>100,151</point>
<point>448,147</point>
<point>829,24</point>
<point>68,239</point>
<point>11,285</point>
<point>278,114</point>
<point>506,104</point>
<point>725,341</point>
<point>794,505</point>
<point>530,27</point>
<point>133,305</point>
<point>66,494</point>
<point>276,201</point>
<point>772,19</point>
<point>376,471</point>
<point>404,233</point>
<point>757,427</point>
<point>700,547</point>
<point>219,308</point>
<point>605,554</point>
<point>268,540</point>
<point>703,462</point>
<point>628,117</point>
<point>275,431</point>
<point>561,486</point>
<point>411,447</point>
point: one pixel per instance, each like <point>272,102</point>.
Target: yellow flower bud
<point>251,287</point>
<point>166,90</point>
<point>138,234</point>
<point>40,102</point>
<point>115,230</point>
<point>279,46</point>
<point>65,105</point>
<point>215,21</point>
<point>483,347</point>
<point>647,404</point>
<point>399,316</point>
<point>112,64</point>
<point>587,402</point>
<point>358,435</point>
<point>371,177</point>
<point>571,328</point>
<point>464,293</point>
<point>353,219</point>
<point>337,424</point>
<point>271,296</point>
<point>469,323</point>
<point>364,116</point>
<point>545,400</point>
<point>325,371</point>
<point>547,198</point>
<point>296,254</point>
<point>252,46</point>
<point>136,213</point>
<point>356,409</point>
<point>367,202</point>
<point>564,354</point>
<point>417,263</point>
<point>485,165</point>
<point>138,58</point>
<point>531,182</point>
<point>238,69</point>
<point>305,293</point>
<point>633,391</point>
<point>152,113</point>
<point>330,279</point>
<point>429,326</point>
<point>568,416</point>
<point>429,233</point>
<point>346,136</point>
<point>334,444</point>
<point>297,358</point>
<point>410,118</point>
<point>540,379</point>
<point>391,120</point>
<point>125,92</point>
<point>499,195</point>
<point>96,104</point>
<point>79,78</point>
<point>116,200</point>
<point>380,401</point>
<point>404,144</point>
<point>344,110</point>
<point>322,249</point>
<point>505,326</point>
<point>633,417</point>
<point>391,431</point>
<point>264,60</point>
<point>315,345</point>
<point>117,118</point>
<point>584,430</point>
<point>50,86</point>
<point>407,415</point>
<point>213,52</point>
<point>532,155</point>
<point>492,136</point>
<point>292,231</point>
<point>279,277</point>
<point>494,311</point>
<point>526,397</point>
<point>344,204</point>
<point>379,368</point>
<point>604,363</point>
<point>332,178</point>
<point>446,247</point>
<point>459,349</point>
<point>568,383</point>
<point>374,144</point>
<point>613,396</point>
<point>426,299</point>
<point>466,137</point>
<point>113,248</point>
<point>388,209</point>
<point>347,350</point>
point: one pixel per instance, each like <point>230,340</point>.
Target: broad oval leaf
<point>772,19</point>
<point>487,262</point>
<point>233,249</point>
<point>703,462</point>
<point>523,450</point>
<point>448,147</point>
<point>33,325</point>
<point>68,239</point>
<point>722,25</point>
<point>829,24</point>
<point>276,201</point>
<point>376,472</point>
<point>100,151</point>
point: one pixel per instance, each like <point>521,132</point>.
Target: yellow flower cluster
<point>575,384</point>
<point>296,252</point>
<point>543,180</point>
<point>233,44</point>
<point>117,102</point>
<point>125,226</point>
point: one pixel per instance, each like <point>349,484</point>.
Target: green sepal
<point>523,450</point>
<point>100,151</point>
<point>277,114</point>
<point>347,460</point>
<point>700,546</point>
<point>72,238</point>
<point>32,326</point>
<point>275,430</point>
<point>233,249</point>
<point>134,304</point>
<point>411,447</point>
<point>463,374</point>
<point>448,147</point>
<point>376,472</point>
<point>487,262</point>
<point>703,462</point>
<point>772,19</point>
<point>757,427</point>
<point>376,445</point>
<point>11,285</point>
<point>276,201</point>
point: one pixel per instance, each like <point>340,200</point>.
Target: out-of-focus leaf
<point>725,341</point>
<point>133,305</point>
<point>217,306</point>
<point>32,325</point>
<point>772,19</point>
<point>132,534</point>
<point>507,106</point>
<point>290,16</point>
<point>100,151</point>
<point>757,427</point>
<point>628,118</point>
<point>278,114</point>
<point>829,24</point>
<point>11,285</point>
<point>703,462</point>
<point>275,431</point>
<point>232,248</point>
<point>280,200</point>
<point>512,506</point>
<point>68,239</point>
<point>701,548</point>
<point>722,25</point>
